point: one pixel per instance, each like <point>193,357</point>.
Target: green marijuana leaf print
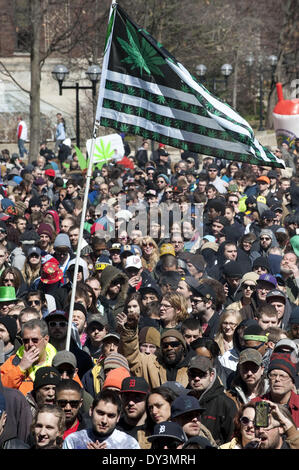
<point>141,55</point>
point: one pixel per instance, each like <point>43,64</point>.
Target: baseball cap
<point>201,363</point>
<point>167,249</point>
<point>95,318</point>
<point>115,247</point>
<point>285,343</point>
<point>206,291</point>
<point>268,278</point>
<point>263,178</point>
<point>64,357</point>
<point>111,335</point>
<point>135,384</point>
<point>184,404</point>
<point>250,355</point>
<point>56,314</point>
<point>168,429</point>
<point>200,440</point>
<point>34,250</point>
<point>276,293</point>
<point>133,262</point>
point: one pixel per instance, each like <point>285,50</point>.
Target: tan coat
<point>146,365</point>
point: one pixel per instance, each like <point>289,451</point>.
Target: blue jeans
<point>21,145</point>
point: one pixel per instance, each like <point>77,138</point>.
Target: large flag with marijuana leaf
<point>145,91</point>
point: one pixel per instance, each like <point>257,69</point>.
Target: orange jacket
<point>12,376</point>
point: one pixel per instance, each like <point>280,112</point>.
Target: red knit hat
<point>115,377</point>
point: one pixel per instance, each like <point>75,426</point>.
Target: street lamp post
<point>60,72</point>
<point>226,70</point>
<point>272,59</point>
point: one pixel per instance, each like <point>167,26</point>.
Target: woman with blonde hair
<point>150,253</point>
<point>173,310</point>
<point>32,266</point>
<point>228,322</point>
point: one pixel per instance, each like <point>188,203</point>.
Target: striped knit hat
<point>115,360</point>
<point>283,361</point>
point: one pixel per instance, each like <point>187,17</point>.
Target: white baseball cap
<point>133,262</point>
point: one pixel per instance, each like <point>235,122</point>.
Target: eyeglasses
<point>60,324</point>
<point>167,307</point>
<point>248,286</point>
<point>245,421</point>
<point>33,302</point>
<point>283,378</point>
<point>172,344</point>
<point>72,403</point>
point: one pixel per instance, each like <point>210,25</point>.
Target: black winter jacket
<point>219,412</point>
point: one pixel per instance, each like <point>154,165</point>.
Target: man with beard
<point>169,363</point>
<point>290,274</point>
<point>134,391</point>
<point>105,414</point>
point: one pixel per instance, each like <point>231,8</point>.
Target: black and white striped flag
<point>145,91</point>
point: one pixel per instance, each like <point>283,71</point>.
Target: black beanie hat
<point>11,326</point>
<point>80,307</point>
<point>233,269</point>
<point>46,376</point>
<point>262,262</point>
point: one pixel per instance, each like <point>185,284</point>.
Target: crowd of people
<point>185,321</point>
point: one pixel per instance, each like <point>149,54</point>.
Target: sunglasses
<point>197,373</point>
<point>33,302</point>
<point>248,286</point>
<point>172,344</point>
<point>72,403</point>
<point>33,340</point>
<point>245,421</point>
<point>2,230</point>
<point>61,324</point>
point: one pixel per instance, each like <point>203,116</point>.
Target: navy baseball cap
<point>184,404</point>
<point>168,429</point>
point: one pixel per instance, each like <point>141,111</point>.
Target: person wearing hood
<point>82,274</point>
<point>63,252</point>
<point>8,334</point>
<point>218,409</point>
<point>114,289</point>
<point>168,363</point>
<point>249,380</point>
<point>264,242</point>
